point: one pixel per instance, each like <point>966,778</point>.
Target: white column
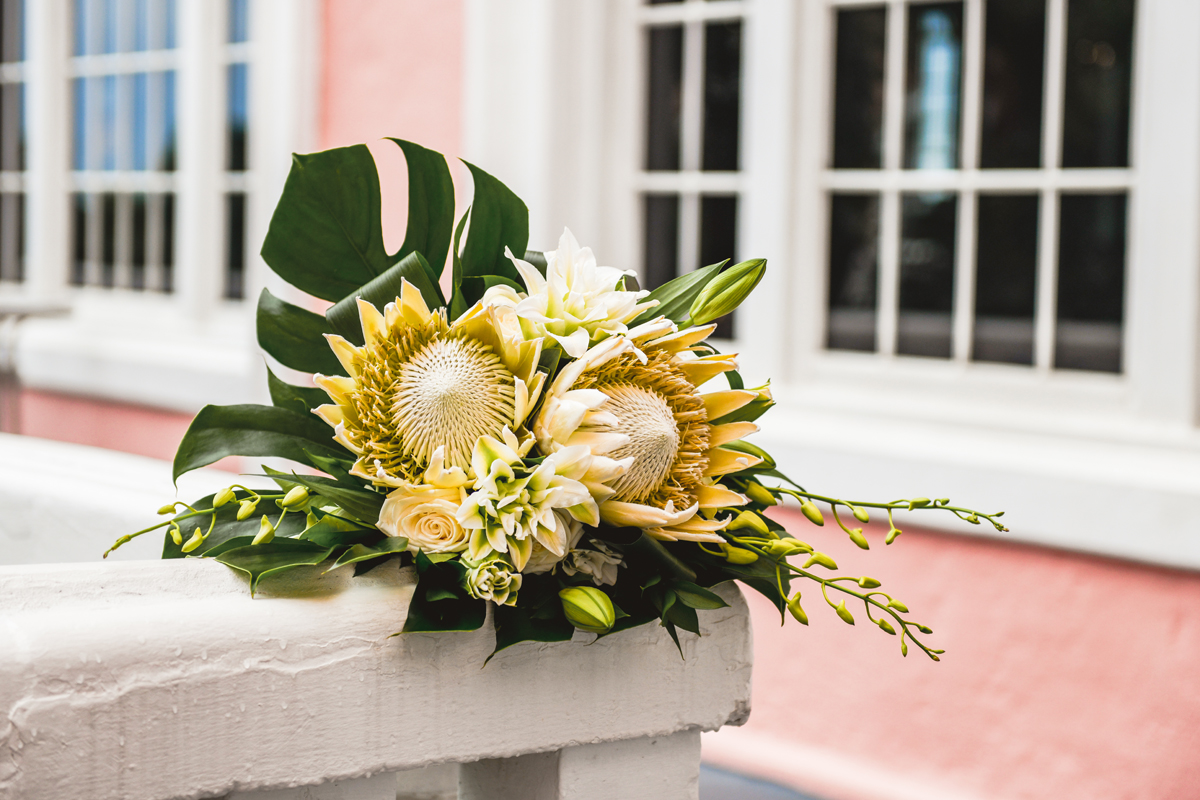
<point>648,768</point>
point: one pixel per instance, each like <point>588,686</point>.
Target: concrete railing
<point>155,680</point>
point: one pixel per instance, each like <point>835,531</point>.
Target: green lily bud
<point>844,613</point>
<point>886,626</point>
<point>896,604</point>
<point>861,514</point>
<point>266,532</point>
<point>868,583</point>
<point>588,609</point>
<point>797,610</point>
<point>167,509</point>
<point>176,535</point>
<point>194,542</point>
<point>760,494</point>
<point>822,559</point>
<point>748,519</point>
<point>295,496</point>
<point>812,512</point>
<point>222,497</point>
<point>246,508</point>
<point>726,292</point>
<point>739,555</point>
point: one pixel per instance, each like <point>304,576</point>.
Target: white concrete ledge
<point>154,680</point>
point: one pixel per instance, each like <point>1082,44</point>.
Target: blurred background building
<point>984,283</point>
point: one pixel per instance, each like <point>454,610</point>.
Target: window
<point>237,106</point>
<point>12,142</point>
<point>978,181</point>
<point>690,178</point>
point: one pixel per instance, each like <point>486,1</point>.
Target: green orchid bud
<point>797,610</point>
<point>844,613</point>
<point>176,535</point>
<point>760,494</point>
<point>896,604</point>
<point>886,626</point>
<point>726,292</point>
<point>918,502</point>
<point>856,536</point>
<point>588,609</point>
<point>924,629</point>
<point>748,519</point>
<point>812,512</point>
<point>167,509</point>
<point>942,501</point>
<point>788,547</point>
<point>295,496</point>
<point>861,514</point>
<point>973,519</point>
<point>891,535</point>
<point>194,542</point>
<point>739,555</point>
<point>246,508</point>
<point>222,497</point>
<point>904,648</point>
<point>266,531</point>
<point>868,583</point>
<point>822,559</point>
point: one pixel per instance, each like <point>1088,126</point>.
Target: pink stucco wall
<point>1065,677</point>
<point>126,427</point>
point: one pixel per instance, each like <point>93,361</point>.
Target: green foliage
<point>300,399</point>
<point>343,315</point>
<point>675,297</point>
<point>295,337</point>
<point>279,555</point>
<point>430,206</point>
<point>537,618</point>
<point>362,552</point>
<point>439,602</point>
<point>499,219</point>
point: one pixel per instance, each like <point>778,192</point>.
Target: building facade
<point>984,283</point>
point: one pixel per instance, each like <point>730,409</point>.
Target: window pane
<point>927,241</point>
<point>137,257</point>
<point>108,238</point>
<point>235,241</point>
<point>12,31</point>
<point>853,271</point>
<point>934,80</point>
<point>1014,60</point>
<point>1091,282</point>
<point>665,96</point>
<point>239,20</point>
<point>168,242</point>
<point>12,237</point>
<point>1005,278</point>
<point>235,136</point>
<point>79,217</point>
<point>722,94</point>
<point>718,241</point>
<point>138,123</point>
<point>12,127</point>
<point>161,121</point>
<point>858,89</point>
<point>1099,67</point>
<point>662,239</point>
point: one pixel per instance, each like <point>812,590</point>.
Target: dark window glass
<point>79,140</point>
<point>137,256</point>
<point>167,162</point>
<point>1099,68</point>
<point>665,96</point>
<point>853,271</point>
<point>108,238</point>
<point>927,241</point>
<point>237,81</point>
<point>12,126</point>
<point>79,217</point>
<point>12,237</point>
<point>662,239</point>
<point>1013,66</point>
<point>934,84</point>
<point>168,242</point>
<point>718,241</point>
<point>12,31</point>
<point>661,2</point>
<point>1091,282</point>
<point>235,241</point>
<point>722,94</point>
<point>858,89</point>
<point>1005,278</point>
<point>239,20</point>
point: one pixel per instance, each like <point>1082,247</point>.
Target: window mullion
<point>1052,113</point>
<point>893,145</point>
<point>964,266</point>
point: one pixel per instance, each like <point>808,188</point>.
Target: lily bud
<point>246,508</point>
<point>222,497</point>
<point>194,542</point>
<point>797,610</point>
<point>822,559</point>
<point>748,519</point>
<point>266,531</point>
<point>167,509</point>
<point>726,292</point>
<point>739,555</point>
<point>295,496</point>
<point>812,512</point>
<point>760,494</point>
<point>588,609</point>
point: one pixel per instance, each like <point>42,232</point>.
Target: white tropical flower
<point>426,513</point>
<point>576,302</point>
<point>513,505</point>
<point>493,579</point>
<point>600,564</point>
<point>543,560</point>
<point>634,399</point>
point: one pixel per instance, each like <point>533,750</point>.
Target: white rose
<point>425,515</point>
<point>494,580</point>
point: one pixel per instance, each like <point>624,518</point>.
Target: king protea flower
<point>575,304</point>
<point>635,399</point>
<point>419,384</point>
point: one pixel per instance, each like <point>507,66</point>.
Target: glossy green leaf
<point>439,603</point>
<point>229,528</point>
<point>295,336</point>
<point>361,552</point>
<point>499,219</point>
<point>343,315</point>
<point>696,596</point>
<point>675,296</point>
<point>430,206</point>
<point>358,502</point>
<point>331,531</point>
<point>301,399</point>
<point>263,560</point>
<point>252,430</point>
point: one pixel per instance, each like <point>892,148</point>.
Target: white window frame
<point>190,347</point>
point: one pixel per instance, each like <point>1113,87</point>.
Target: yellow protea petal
<point>332,414</point>
<point>718,404</point>
<point>730,432</point>
<point>681,340</point>
<point>722,461</point>
<point>373,323</point>
<point>717,496</point>
<point>701,370</point>
<point>338,387</point>
<point>346,353</point>
<point>636,515</point>
<point>412,304</point>
<point>676,535</point>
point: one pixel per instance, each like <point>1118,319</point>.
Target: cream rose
<point>425,515</point>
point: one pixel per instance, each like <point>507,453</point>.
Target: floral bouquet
<point>549,441</point>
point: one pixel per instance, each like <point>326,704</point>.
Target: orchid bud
<point>739,555</point>
<point>246,508</point>
<point>167,509</point>
<point>194,542</point>
<point>748,519</point>
<point>266,531</point>
<point>918,502</point>
<point>726,292</point>
<point>868,583</point>
<point>886,626</point>
<point>896,604</point>
<point>891,535</point>
<point>844,613</point>
<point>295,496</point>
<point>822,559</point>
<point>176,535</point>
<point>760,494</point>
<point>812,512</point>
<point>861,514</point>
<point>588,609</point>
<point>797,610</point>
<point>222,497</point>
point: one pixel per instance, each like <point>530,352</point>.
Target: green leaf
<point>458,304</point>
<point>300,399</point>
<point>499,219</point>
<point>675,296</point>
<point>430,206</point>
<point>696,597</point>
<point>538,259</point>
<point>295,336</point>
<point>432,610</point>
<point>343,315</point>
<point>252,430</point>
<point>740,446</point>
<point>229,528</point>
<point>332,531</point>
<point>362,552</point>
<point>515,624</point>
<point>261,560</point>
<point>650,548</point>
<point>362,504</point>
<point>326,235</point>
